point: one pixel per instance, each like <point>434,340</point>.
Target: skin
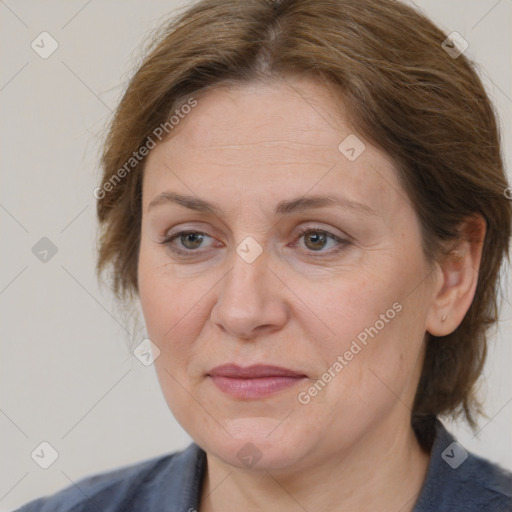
<point>351,447</point>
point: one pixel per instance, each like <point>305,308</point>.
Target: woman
<point>309,201</point>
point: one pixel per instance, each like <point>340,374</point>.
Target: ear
<point>458,278</point>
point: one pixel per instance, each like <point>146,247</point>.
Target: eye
<point>190,242</point>
<point>316,239</point>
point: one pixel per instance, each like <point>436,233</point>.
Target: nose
<point>251,301</point>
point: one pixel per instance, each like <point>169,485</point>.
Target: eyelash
<point>342,243</point>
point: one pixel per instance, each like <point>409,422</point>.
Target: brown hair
<point>425,108</point>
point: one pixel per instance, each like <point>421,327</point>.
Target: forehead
<point>282,137</point>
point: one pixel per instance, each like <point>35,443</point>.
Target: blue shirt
<point>456,481</point>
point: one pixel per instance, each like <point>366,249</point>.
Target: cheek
<point>172,314</point>
<point>350,305</point>
<point>168,306</point>
<point>176,308</point>
<point>375,324</point>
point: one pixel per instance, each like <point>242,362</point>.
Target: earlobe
<point>458,278</point>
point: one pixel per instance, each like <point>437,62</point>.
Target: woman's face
<point>337,293</point>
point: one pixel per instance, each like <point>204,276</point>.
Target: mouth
<point>257,381</point>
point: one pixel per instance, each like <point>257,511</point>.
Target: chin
<point>256,444</point>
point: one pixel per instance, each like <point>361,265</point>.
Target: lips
<point>255,381</point>
<point>252,372</point>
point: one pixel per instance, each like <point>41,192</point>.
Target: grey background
<point>67,375</point>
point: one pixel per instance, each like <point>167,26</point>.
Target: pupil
<point>317,237</point>
<point>195,238</point>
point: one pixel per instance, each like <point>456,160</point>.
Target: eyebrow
<point>286,207</point>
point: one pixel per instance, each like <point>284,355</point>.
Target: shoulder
<point>459,480</point>
<point>487,486</point>
<point>125,488</point>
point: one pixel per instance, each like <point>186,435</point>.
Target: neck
<point>384,470</point>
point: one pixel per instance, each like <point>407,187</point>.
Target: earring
<point>443,318</point>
